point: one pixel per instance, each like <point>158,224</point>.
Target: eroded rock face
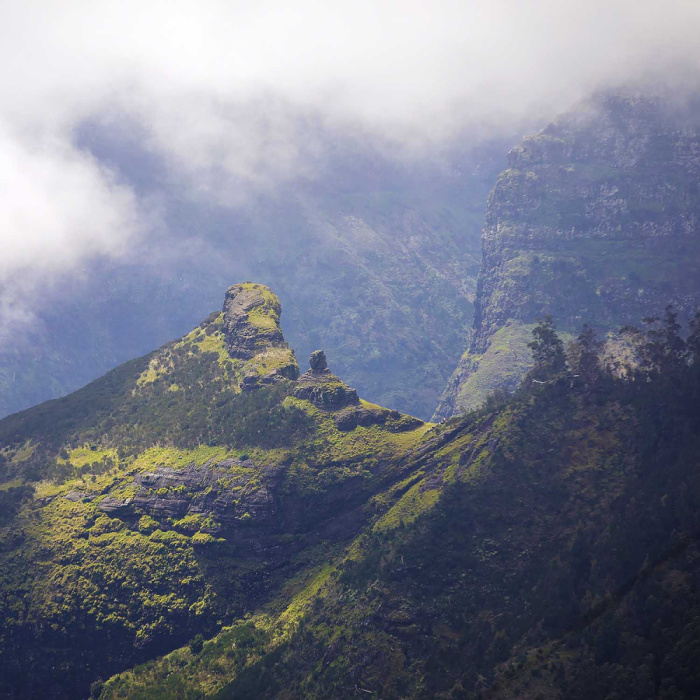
<point>247,503</point>
<point>253,334</point>
<point>322,388</point>
<point>597,220</point>
<point>230,491</point>
<point>251,320</point>
<point>355,415</point>
<point>119,507</point>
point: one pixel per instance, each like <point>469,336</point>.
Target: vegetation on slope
<point>545,547</point>
<point>167,499</point>
<point>302,554</point>
<point>185,394</point>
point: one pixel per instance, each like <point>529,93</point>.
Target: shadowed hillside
<point>297,541</point>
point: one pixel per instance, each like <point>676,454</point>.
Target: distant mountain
<point>596,220</point>
<point>374,256</point>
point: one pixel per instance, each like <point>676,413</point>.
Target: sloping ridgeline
<point>596,220</point>
<point>544,548</point>
<point>176,494</point>
<point>295,541</point>
<point>374,257</point>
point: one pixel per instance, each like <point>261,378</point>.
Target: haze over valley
<point>350,349</point>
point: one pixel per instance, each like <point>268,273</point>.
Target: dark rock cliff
<point>251,320</point>
<point>595,221</point>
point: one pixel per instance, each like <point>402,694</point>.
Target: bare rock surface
<point>322,388</point>
<point>596,221</point>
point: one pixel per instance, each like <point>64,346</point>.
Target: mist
<point>230,97</point>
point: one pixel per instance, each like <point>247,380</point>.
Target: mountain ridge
<point>181,532</point>
<point>595,221</point>
<point>178,490</point>
<point>546,550</point>
<point>374,258</point>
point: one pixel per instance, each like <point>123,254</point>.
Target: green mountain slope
<point>546,548</point>
<point>206,522</point>
<point>176,493</point>
<point>594,221</point>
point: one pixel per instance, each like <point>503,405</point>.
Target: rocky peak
<point>318,361</point>
<point>253,334</point>
<point>251,320</point>
<point>322,388</point>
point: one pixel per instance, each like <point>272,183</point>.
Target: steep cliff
<point>596,220</point>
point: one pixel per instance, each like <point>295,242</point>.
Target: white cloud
<point>219,87</point>
<point>58,207</point>
<point>58,204</point>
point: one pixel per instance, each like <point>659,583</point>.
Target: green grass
<point>24,453</point>
<point>502,364</point>
<point>270,359</point>
<point>173,457</point>
<point>82,456</point>
<point>209,337</point>
<point>417,501</point>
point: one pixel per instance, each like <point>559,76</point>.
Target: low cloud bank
<point>231,95</point>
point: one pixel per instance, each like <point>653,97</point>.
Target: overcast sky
<point>217,89</point>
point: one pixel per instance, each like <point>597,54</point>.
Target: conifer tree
<point>583,356</point>
<point>664,350</point>
<point>547,351</point>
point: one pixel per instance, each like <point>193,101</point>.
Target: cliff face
<point>251,319</point>
<point>595,221</point>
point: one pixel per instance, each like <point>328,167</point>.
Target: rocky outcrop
<point>253,334</point>
<point>251,320</point>
<point>78,496</point>
<point>354,416</point>
<point>119,507</point>
<point>318,361</point>
<point>595,221</point>
<point>230,491</point>
<point>322,388</point>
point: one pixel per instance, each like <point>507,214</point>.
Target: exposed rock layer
<point>253,334</point>
<point>322,388</point>
<point>251,320</point>
<point>595,221</point>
